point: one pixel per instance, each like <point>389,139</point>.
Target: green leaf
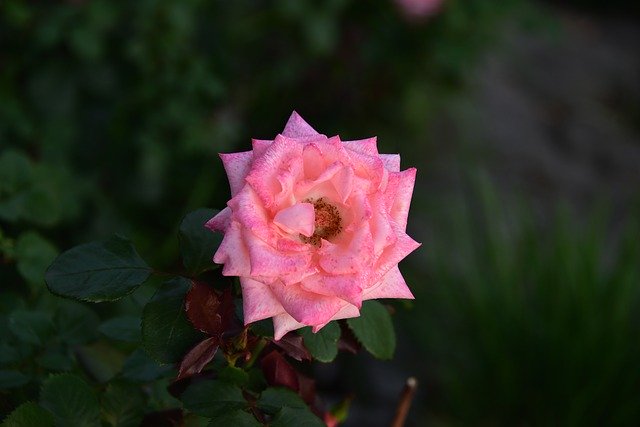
<point>197,243</point>
<point>55,359</point>
<point>123,406</point>
<point>8,354</point>
<point>12,379</point>
<point>34,254</point>
<point>98,271</point>
<point>100,360</point>
<point>273,399</point>
<point>139,367</point>
<point>32,327</point>
<point>212,398</point>
<point>322,345</point>
<point>15,171</point>
<point>71,401</point>
<point>124,328</point>
<point>235,419</point>
<point>76,323</point>
<point>166,333</point>
<point>288,417</point>
<point>374,330</point>
<point>29,414</point>
<point>234,375</point>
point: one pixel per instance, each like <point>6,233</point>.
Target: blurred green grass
<point>523,321</point>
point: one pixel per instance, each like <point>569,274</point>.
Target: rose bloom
<point>315,226</point>
<point>419,8</point>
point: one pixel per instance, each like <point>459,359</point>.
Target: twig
<point>405,402</point>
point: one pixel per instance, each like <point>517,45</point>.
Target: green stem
<point>256,352</point>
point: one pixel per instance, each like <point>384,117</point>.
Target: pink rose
<point>419,8</point>
<point>315,226</point>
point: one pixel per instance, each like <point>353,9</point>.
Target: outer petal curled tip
<point>260,146</point>
<point>306,307</point>
<point>393,254</point>
<point>257,300</point>
<point>365,146</point>
<point>391,162</point>
<point>237,166</point>
<point>221,221</point>
<point>297,127</point>
<point>233,253</point>
<point>283,324</point>
<point>347,288</point>
<point>392,285</point>
<point>402,183</point>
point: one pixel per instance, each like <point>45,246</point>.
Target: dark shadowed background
<point>522,117</point>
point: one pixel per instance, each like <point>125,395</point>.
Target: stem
<point>256,352</point>
<point>405,402</point>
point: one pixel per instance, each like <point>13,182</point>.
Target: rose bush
<point>314,227</point>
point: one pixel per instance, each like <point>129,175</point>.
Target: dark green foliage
<point>29,414</point>
<point>235,418</point>
<point>273,399</point>
<point>299,417</point>
<point>197,243</point>
<point>167,335</point>
<point>374,330</point>
<point>99,271</point>
<point>123,328</point>
<point>322,345</point>
<point>123,405</point>
<point>12,379</point>
<point>71,401</point>
<point>213,398</point>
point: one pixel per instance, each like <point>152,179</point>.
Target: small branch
<point>405,402</point>
<point>256,352</point>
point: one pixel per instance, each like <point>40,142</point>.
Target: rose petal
<point>393,254</point>
<point>305,307</point>
<point>297,127</point>
<point>367,146</point>
<point>392,285</point>
<point>401,185</point>
<point>391,162</point>
<point>248,211</point>
<point>284,323</point>
<point>258,301</point>
<point>313,161</point>
<point>297,219</point>
<point>351,255</point>
<point>264,173</point>
<point>268,262</point>
<point>380,222</point>
<point>345,287</point>
<point>233,253</point>
<point>259,146</point>
<point>237,167</point>
<point>346,312</point>
<point>221,221</point>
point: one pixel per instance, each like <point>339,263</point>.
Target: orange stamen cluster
<point>328,222</point>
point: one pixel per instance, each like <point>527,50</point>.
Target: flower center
<point>328,222</point>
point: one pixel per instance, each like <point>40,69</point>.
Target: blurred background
<point>522,117</point>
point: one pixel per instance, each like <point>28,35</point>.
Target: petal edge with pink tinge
<point>297,127</point>
<point>257,301</point>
